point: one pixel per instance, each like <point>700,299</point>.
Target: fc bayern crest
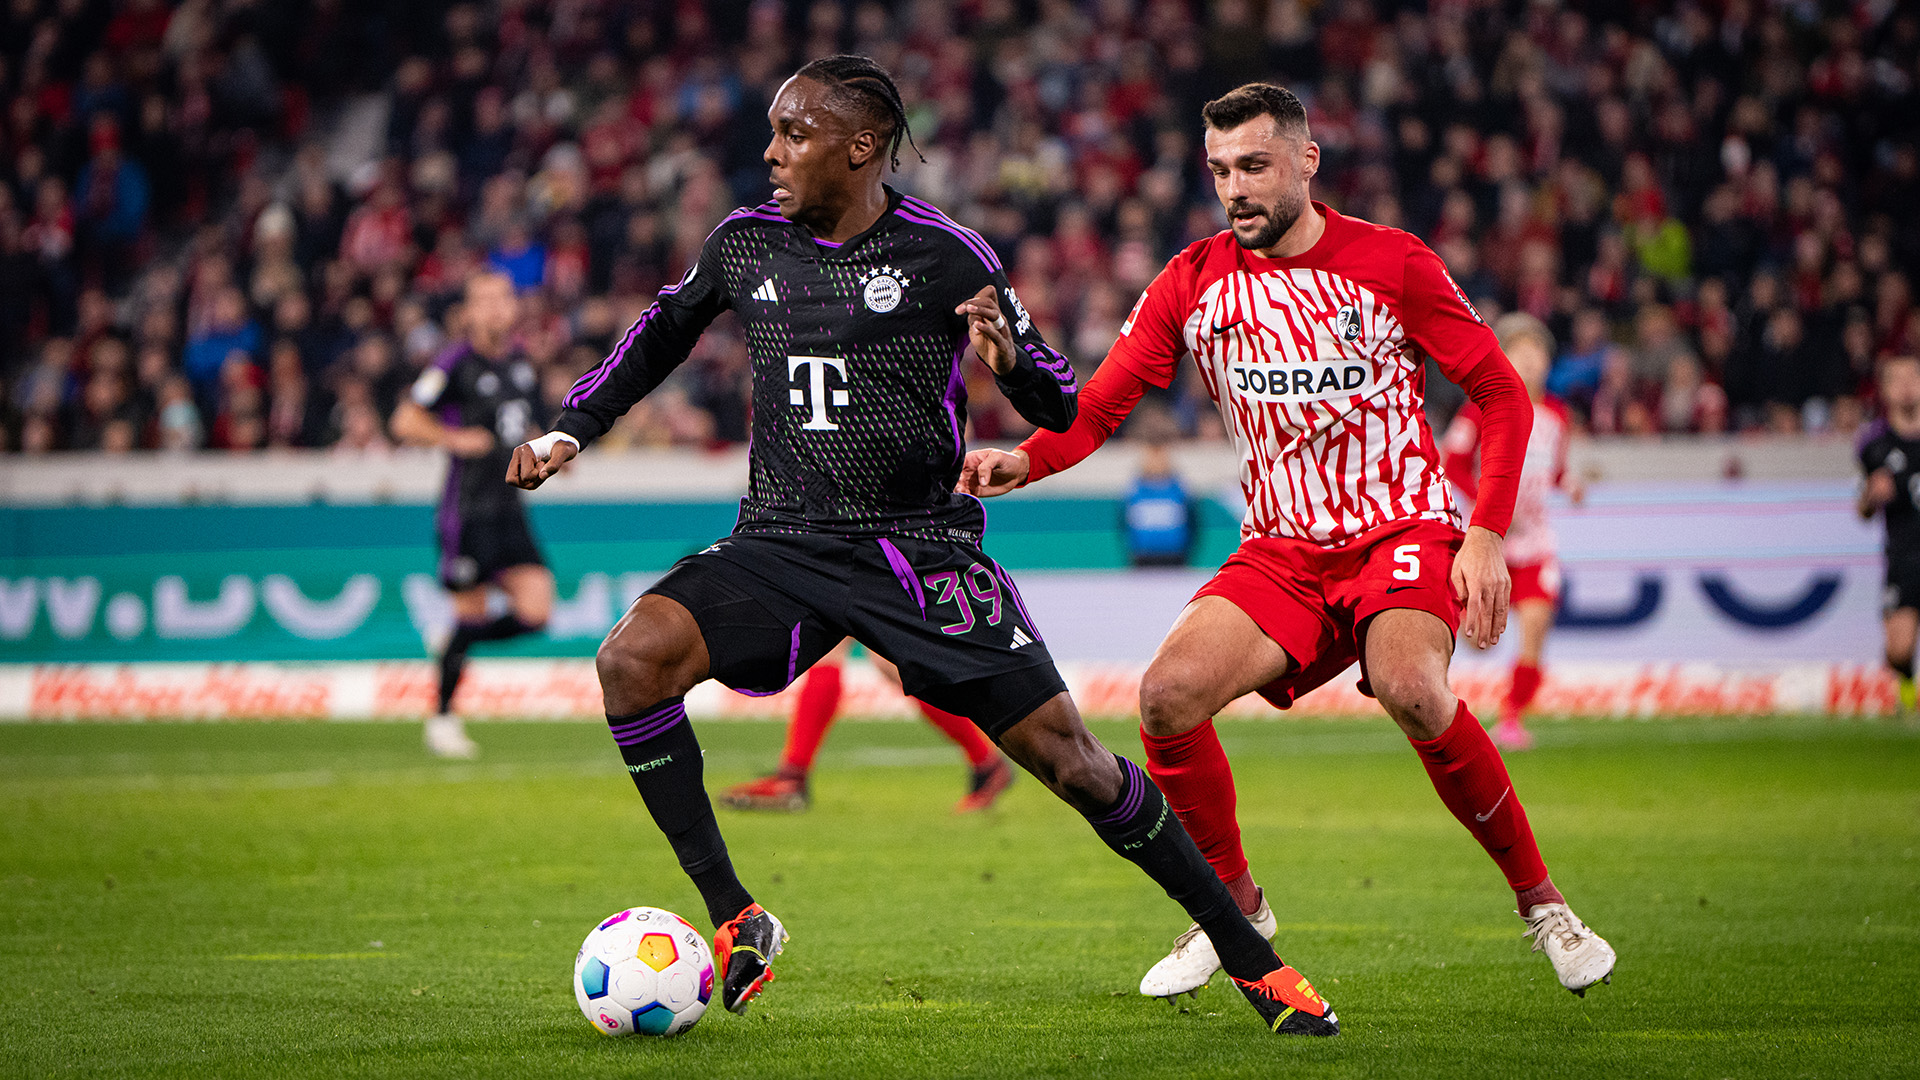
<point>883,289</point>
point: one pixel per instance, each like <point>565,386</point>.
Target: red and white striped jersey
<point>1315,364</point>
<point>1530,539</point>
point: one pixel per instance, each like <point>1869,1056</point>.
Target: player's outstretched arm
<point>416,426</point>
<point>1106,400</point>
<point>534,461</point>
<point>1480,581</point>
<point>657,343</point>
<point>987,473</point>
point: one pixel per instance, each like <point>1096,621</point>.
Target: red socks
<point>1465,769</point>
<point>1192,770</point>
<point>820,699</point>
<point>980,752</point>
<point>1526,683</point>
<point>1472,781</point>
<point>812,716</point>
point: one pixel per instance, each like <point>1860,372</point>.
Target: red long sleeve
<point>1460,451</point>
<point>1105,401</point>
<point>1505,422</point>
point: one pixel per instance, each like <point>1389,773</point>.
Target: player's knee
<point>637,659</point>
<point>1414,699</point>
<point>1169,703</point>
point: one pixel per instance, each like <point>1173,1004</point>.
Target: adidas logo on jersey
<point>1020,638</point>
<point>766,292</point>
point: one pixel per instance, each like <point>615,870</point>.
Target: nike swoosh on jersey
<point>1229,326</point>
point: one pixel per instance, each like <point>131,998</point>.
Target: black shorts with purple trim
<point>946,614</point>
<point>476,548</point>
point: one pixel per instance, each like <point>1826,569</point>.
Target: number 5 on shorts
<point>1408,556</point>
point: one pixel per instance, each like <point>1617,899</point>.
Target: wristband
<point>542,447</point>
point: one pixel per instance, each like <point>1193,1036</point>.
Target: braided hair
<point>859,83</point>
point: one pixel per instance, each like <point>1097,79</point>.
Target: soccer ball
<point>643,971</point>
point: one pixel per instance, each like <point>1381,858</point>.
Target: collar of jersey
<point>851,243</point>
<point>1313,256</point>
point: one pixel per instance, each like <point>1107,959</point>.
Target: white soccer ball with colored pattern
<point>643,971</point>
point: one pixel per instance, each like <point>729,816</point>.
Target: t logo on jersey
<point>813,391</point>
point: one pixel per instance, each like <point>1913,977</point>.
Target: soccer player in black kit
<point>1890,457</point>
<point>858,305</point>
<point>479,399</point>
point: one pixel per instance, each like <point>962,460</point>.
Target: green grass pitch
<point>319,900</point>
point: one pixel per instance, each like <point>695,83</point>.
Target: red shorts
<point>1536,581</point>
<point>1315,603</point>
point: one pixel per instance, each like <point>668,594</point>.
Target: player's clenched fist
<point>987,473</point>
<point>533,462</point>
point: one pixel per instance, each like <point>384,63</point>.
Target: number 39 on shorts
<point>1408,558</point>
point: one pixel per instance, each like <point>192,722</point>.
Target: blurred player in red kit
<point>1308,329</point>
<point>1531,548</point>
<point>814,710</point>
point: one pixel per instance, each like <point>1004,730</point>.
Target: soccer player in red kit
<point>1532,560</point>
<point>1308,328</point>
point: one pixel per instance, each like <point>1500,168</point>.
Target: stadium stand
<point>1713,204</point>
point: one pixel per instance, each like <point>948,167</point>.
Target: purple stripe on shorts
<point>652,725</point>
<point>1133,792</point>
<point>793,668</point>
<point>967,236</point>
<point>903,570</point>
<point>1006,584</point>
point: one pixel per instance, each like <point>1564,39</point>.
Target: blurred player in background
<point>858,305</point>
<point>814,710</point>
<point>1158,519</point>
<point>1890,458</point>
<point>479,399</point>
<point>1308,329</point>
<point>1531,551</point>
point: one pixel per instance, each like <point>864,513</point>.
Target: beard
<point>1280,217</point>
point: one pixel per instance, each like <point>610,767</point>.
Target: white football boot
<point>1193,961</point>
<point>447,738</point>
<point>1580,957</point>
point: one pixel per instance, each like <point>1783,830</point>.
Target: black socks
<point>1142,829</point>
<point>663,759</point>
<point>454,660</point>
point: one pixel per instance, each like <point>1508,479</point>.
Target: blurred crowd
<point>242,224</point>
